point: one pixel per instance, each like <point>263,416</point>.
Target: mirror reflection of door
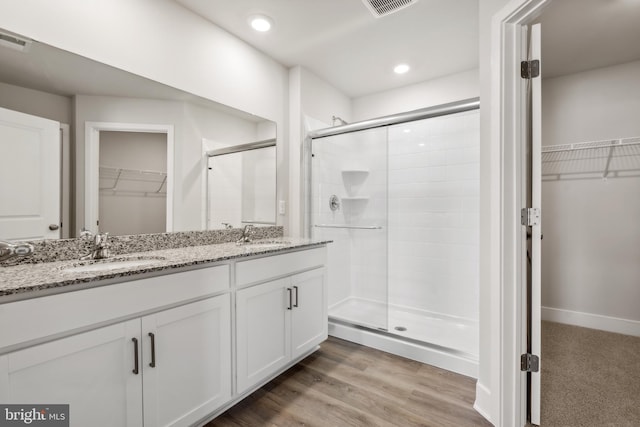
<point>133,179</point>
<point>29,177</point>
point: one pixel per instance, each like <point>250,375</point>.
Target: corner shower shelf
<point>607,158</point>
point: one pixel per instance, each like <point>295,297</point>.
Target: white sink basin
<point>111,264</point>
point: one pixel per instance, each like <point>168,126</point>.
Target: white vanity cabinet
<point>159,351</point>
<point>280,320</point>
<point>168,368</point>
<point>91,371</point>
<point>186,362</point>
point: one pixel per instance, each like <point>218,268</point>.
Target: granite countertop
<point>20,281</point>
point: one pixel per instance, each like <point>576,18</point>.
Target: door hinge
<point>529,362</point>
<point>530,69</point>
<point>530,216</point>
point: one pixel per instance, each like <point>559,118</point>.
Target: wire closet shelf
<point>610,158</point>
<point>134,182</point>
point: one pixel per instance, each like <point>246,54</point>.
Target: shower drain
<point>400,328</point>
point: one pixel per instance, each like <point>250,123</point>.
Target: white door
<point>186,362</point>
<point>29,177</point>
<point>263,322</point>
<point>536,233</point>
<point>93,372</point>
<point>309,320</point>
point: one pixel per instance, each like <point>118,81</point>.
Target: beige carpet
<point>589,378</point>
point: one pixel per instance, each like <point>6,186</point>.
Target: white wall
<point>591,246</point>
<point>451,88</point>
<point>36,103</point>
<point>312,97</point>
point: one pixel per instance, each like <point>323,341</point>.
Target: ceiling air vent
<point>14,42</point>
<point>381,8</point>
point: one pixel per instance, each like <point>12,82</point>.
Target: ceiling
<point>580,35</point>
<point>344,44</point>
<point>340,41</point>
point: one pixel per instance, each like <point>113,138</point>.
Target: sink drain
<point>400,328</point>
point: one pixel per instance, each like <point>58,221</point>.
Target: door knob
<point>53,227</point>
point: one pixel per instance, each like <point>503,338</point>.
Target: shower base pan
<point>444,341</point>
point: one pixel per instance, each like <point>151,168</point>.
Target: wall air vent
<point>14,42</point>
<point>380,8</point>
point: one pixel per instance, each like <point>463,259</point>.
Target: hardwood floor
<point>346,384</point>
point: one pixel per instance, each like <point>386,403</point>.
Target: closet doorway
<point>590,160</point>
<point>129,178</point>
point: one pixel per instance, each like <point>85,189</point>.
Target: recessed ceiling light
<point>407,131</point>
<point>401,68</point>
<point>260,23</point>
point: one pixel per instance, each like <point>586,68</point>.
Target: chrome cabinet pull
<point>289,290</point>
<point>296,303</point>
<point>136,371</point>
<point>153,349</point>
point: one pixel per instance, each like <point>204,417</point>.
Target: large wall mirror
<point>86,145</point>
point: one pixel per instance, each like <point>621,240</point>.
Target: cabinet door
<point>309,320</point>
<point>187,362</point>
<point>263,331</point>
<point>91,371</point>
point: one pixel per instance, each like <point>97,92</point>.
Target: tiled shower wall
<point>434,214</point>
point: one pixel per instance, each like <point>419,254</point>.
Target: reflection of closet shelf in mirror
<point>132,181</point>
<point>609,158</point>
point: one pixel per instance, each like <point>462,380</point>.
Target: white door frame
<point>65,181</point>
<point>92,167</point>
<point>507,130</point>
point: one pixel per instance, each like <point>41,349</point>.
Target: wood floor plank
<point>366,400</point>
<point>345,384</point>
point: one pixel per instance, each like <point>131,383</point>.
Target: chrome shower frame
<point>394,119</point>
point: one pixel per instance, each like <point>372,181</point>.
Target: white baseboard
<point>593,321</point>
<point>482,405</point>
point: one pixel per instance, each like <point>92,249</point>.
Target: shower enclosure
<point>399,197</point>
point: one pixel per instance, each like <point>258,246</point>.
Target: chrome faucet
<point>9,250</point>
<point>100,248</point>
<point>246,232</point>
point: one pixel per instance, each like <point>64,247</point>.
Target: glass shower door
<point>349,206</point>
